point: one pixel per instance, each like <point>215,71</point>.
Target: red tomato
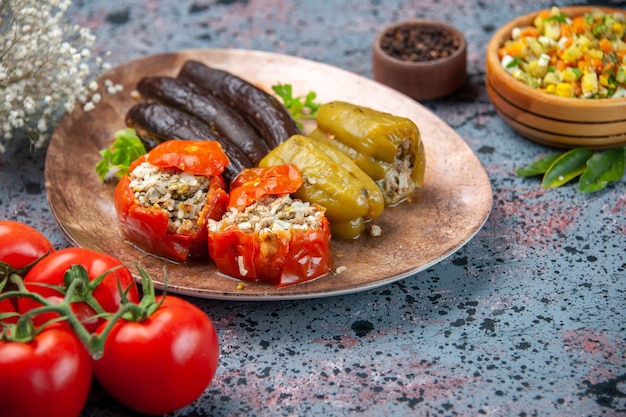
<point>295,256</point>
<point>281,257</point>
<point>21,245</point>
<point>51,270</point>
<point>253,183</point>
<point>160,364</point>
<point>148,227</point>
<point>6,306</point>
<point>50,376</point>
<point>197,157</point>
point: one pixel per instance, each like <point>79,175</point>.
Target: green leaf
<point>602,168</point>
<point>514,62</point>
<point>299,107</point>
<point>566,167</point>
<point>539,167</point>
<point>561,18</point>
<point>117,158</point>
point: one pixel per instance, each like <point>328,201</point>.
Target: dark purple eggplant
<point>271,119</point>
<point>156,122</point>
<point>188,97</point>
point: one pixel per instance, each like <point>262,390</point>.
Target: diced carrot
<point>566,30</point>
<point>530,31</point>
<point>561,65</point>
<point>514,49</point>
<point>605,45</point>
<point>579,25</point>
<point>595,64</point>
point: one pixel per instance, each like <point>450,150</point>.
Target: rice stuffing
<point>399,180</point>
<point>180,194</point>
<point>272,214</point>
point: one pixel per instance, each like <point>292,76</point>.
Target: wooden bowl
<point>421,80</point>
<point>551,120</point>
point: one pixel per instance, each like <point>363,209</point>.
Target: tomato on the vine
<point>48,376</point>
<point>161,363</point>
<point>21,245</point>
<point>51,271</point>
<point>6,306</point>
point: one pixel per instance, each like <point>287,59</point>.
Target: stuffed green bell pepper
<point>333,181</point>
<point>386,147</point>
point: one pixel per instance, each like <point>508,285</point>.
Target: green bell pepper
<point>386,147</point>
<point>333,181</point>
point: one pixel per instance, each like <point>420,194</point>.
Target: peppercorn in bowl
<point>423,59</point>
<point>558,76</point>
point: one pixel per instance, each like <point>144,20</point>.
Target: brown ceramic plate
<point>441,217</point>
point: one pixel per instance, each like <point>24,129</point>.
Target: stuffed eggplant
<point>387,147</point>
<point>164,203</point>
<point>219,116</point>
<point>267,235</point>
<point>156,123</point>
<point>271,119</point>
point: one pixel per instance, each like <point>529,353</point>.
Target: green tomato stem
<point>24,330</point>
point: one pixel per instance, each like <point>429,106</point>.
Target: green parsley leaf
<point>116,159</point>
<point>560,18</point>
<point>514,62</point>
<point>300,108</point>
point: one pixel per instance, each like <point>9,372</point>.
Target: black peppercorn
<point>419,44</point>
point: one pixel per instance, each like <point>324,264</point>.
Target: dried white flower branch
<point>46,68</point>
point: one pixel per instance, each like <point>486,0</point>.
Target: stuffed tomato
<point>164,203</point>
<point>268,236</point>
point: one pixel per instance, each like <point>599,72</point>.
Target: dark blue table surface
<point>527,319</point>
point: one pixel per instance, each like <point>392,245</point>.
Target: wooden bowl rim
<point>563,141</point>
<point>614,131</point>
<point>516,91</point>
<point>495,95</point>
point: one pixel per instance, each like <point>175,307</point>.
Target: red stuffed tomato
<point>51,271</point>
<point>266,235</point>
<point>49,376</point>
<point>164,203</point>
<point>21,246</point>
<point>162,363</point>
<point>253,183</point>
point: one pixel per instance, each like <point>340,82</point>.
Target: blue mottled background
<point>525,320</point>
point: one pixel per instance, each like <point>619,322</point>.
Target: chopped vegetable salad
<point>578,57</point>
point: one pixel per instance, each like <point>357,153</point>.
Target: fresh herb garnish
<point>514,62</point>
<point>116,159</point>
<point>595,169</point>
<point>560,18</point>
<point>299,107</point>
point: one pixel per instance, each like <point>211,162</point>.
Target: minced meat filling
<point>399,180</point>
<point>272,213</point>
<point>182,195</point>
